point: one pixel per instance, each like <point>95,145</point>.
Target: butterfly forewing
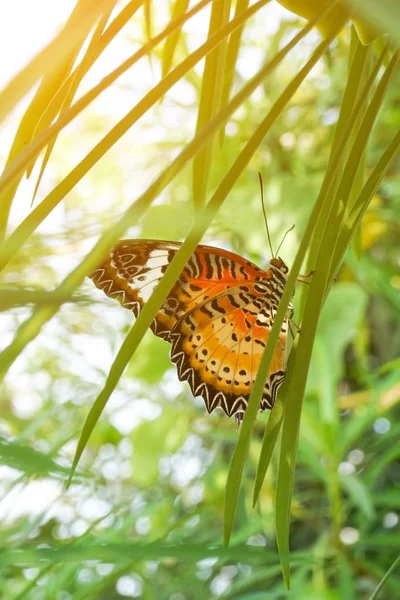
<point>217,316</point>
<point>131,272</point>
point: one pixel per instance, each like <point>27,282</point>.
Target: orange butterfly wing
<point>217,316</point>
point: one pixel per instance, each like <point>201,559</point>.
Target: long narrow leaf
<point>82,19</point>
<point>67,92</point>
<point>382,582</point>
<point>231,59</point>
<point>109,552</point>
<point>179,8</point>
<point>362,202</point>
<point>210,99</point>
<point>22,160</point>
<point>315,300</point>
<point>341,140</point>
<point>239,456</point>
<point>353,100</point>
<point>365,129</point>
<point>382,15</point>
<point>177,264</point>
<point>290,430</point>
<point>44,63</point>
<point>10,298</point>
<point>272,429</point>
<point>22,232</point>
<point>321,208</point>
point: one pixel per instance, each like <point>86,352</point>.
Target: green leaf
<point>388,573</point>
<point>239,456</point>
<point>354,427</point>
<point>375,278</point>
<point>351,105</point>
<point>62,101</point>
<point>28,226</point>
<point>210,98</point>
<point>269,442</point>
<point>358,208</point>
<point>380,464</point>
<point>16,165</point>
<point>325,262</point>
<point>232,54</point>
<point>339,320</point>
<point>11,298</point>
<point>48,94</point>
<point>347,580</point>
<point>179,8</point>
<point>383,16</point>
<point>28,460</point>
<point>293,406</point>
<point>112,552</point>
<point>359,494</point>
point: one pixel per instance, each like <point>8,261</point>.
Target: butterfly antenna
<point>283,239</point>
<point>265,215</point>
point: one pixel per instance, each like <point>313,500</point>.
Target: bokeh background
<point>143,516</point>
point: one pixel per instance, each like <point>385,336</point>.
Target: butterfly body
<point>217,316</point>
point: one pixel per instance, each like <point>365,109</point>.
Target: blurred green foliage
<point>143,517</point>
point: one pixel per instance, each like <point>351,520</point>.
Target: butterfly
<point>217,317</point>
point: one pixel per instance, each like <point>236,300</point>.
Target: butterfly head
<point>277,263</point>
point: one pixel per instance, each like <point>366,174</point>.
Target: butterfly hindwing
<point>217,316</point>
<point>217,348</point>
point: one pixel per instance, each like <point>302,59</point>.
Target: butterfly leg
<point>301,278</point>
<point>309,274</point>
<point>292,323</point>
